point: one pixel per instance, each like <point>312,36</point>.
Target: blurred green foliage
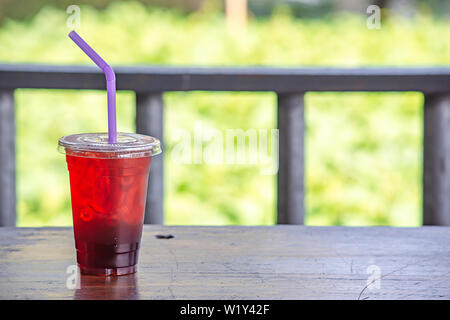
<point>363,150</point>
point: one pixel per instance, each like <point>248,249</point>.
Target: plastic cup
<point>108,186</point>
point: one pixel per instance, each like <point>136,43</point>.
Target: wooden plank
<point>7,159</point>
<point>278,262</point>
<point>149,121</point>
<point>436,159</point>
<point>291,186</point>
<point>160,79</point>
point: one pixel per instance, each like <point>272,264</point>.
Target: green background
<point>363,150</point>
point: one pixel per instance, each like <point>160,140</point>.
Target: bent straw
<point>110,83</point>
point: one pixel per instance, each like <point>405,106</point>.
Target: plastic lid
<point>95,145</point>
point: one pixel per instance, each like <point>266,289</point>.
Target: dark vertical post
<point>291,187</point>
<point>7,160</point>
<point>149,121</point>
<point>436,160</point>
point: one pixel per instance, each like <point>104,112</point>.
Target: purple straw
<point>110,83</point>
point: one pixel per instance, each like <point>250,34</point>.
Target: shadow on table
<point>107,288</point>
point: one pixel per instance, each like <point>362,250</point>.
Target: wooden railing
<point>291,84</point>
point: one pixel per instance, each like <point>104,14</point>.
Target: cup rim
<point>96,145</point>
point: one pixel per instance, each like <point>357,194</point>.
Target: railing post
<point>436,160</point>
<point>7,160</point>
<point>291,189</point>
<point>149,121</point>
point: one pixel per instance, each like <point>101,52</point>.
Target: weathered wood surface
<point>436,160</point>
<point>159,79</point>
<point>291,167</point>
<point>7,159</point>
<point>278,262</point>
<point>149,121</point>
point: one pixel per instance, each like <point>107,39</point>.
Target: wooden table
<point>277,262</point>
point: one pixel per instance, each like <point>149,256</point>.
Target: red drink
<point>108,191</point>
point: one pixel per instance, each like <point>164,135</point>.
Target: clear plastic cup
<point>108,186</point>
